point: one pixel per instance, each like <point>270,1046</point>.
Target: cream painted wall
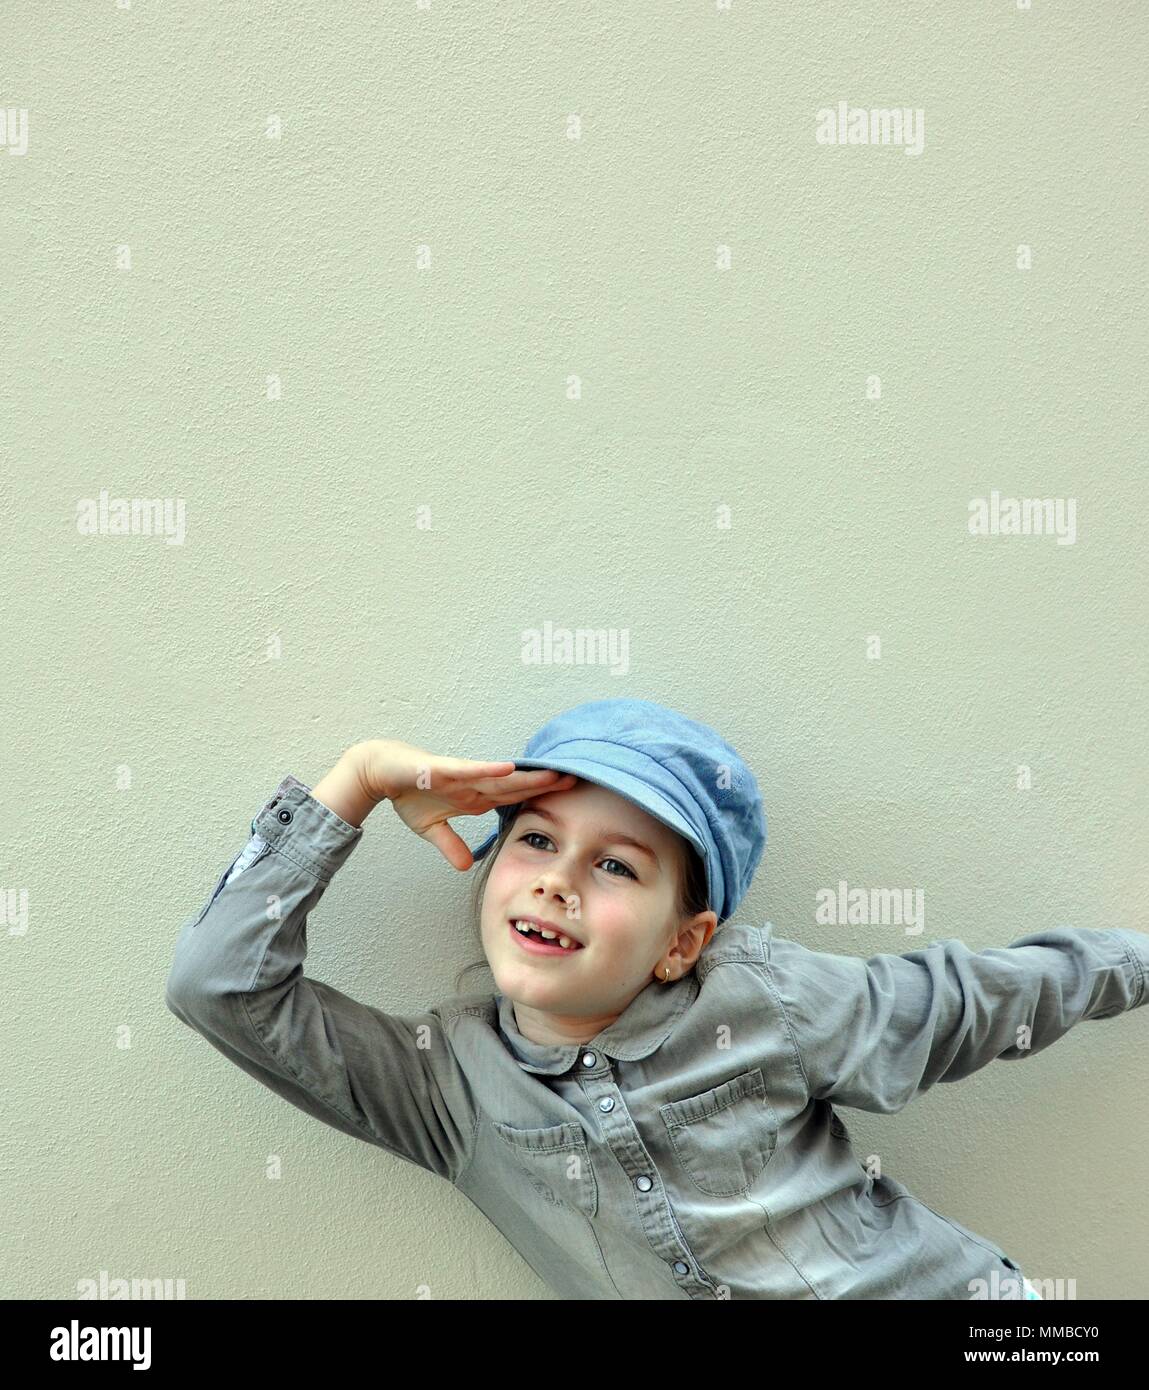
<point>427,371</point>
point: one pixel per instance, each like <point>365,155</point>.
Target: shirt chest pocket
<point>554,1161</point>
<point>725,1137</point>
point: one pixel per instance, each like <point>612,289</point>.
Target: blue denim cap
<point>677,770</point>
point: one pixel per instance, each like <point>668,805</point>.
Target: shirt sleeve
<point>237,979</point>
<point>874,1034</point>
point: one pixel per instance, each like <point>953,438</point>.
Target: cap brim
<point>633,789</point>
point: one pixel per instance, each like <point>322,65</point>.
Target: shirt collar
<point>641,1027</point>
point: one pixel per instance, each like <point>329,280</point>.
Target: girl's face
<point>571,861</point>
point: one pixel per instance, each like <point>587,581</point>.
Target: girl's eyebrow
<point>614,837</point>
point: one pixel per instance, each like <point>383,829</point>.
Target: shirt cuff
<point>303,829</point>
<point>1137,947</point>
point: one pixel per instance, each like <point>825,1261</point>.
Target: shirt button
<point>283,815</point>
<point>643,1184</point>
<point>681,1267</point>
<point>606,1104</point>
<point>589,1059</point>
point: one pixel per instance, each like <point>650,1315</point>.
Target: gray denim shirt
<point>690,1150</point>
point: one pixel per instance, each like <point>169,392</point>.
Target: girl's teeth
<point>565,942</point>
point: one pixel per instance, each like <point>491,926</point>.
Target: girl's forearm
<point>342,790</point>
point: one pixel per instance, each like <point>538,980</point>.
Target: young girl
<point>645,1107</point>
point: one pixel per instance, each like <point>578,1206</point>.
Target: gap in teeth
<point>528,928</point>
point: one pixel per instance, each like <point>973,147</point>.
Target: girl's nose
<point>554,885</point>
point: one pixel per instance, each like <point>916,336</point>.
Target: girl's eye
<point>538,835</point>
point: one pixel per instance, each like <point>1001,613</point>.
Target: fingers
<point>450,846</point>
<point>535,781</point>
<point>466,767</point>
<point>524,784</point>
<point>503,773</point>
<point>501,799</point>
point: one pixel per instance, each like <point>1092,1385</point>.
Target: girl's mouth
<point>540,947</point>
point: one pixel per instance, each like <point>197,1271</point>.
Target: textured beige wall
<point>426,372</point>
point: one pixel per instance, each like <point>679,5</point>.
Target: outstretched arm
<point>875,1033</point>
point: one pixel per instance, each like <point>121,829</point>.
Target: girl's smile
<point>539,946</point>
